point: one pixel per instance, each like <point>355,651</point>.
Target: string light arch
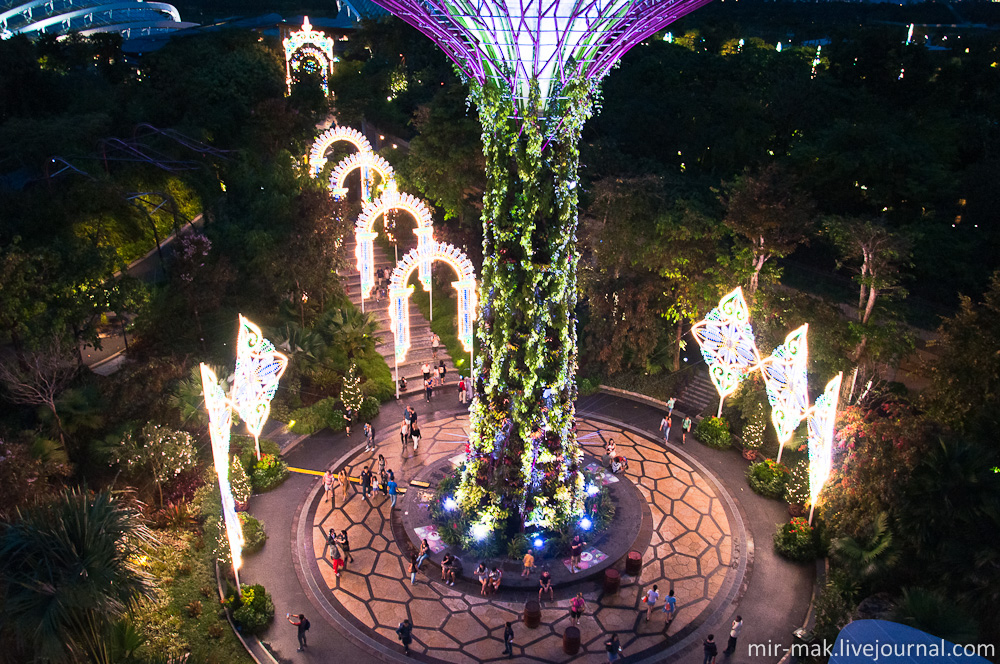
<point>323,142</point>
<point>365,234</point>
<point>308,49</point>
<point>362,160</point>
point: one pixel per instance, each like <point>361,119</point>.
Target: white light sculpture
<point>308,48</point>
<point>220,422</point>
<point>399,293</point>
<point>362,160</point>
<point>258,369</point>
<point>821,422</point>
<point>323,142</point>
<point>365,235</point>
<point>727,343</point>
<point>787,385</point>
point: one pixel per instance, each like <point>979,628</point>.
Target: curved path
<point>704,520</point>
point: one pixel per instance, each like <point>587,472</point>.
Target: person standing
<point>435,342</point>
<point>442,372</point>
<point>461,390</point>
<point>405,634</point>
<point>685,429</point>
<point>650,599</point>
<point>508,640</point>
<point>529,563</point>
<point>393,491</point>
<point>344,481</point>
<point>337,561</point>
<point>331,542</point>
<point>366,482</point>
<point>381,470</point>
<point>670,606</point>
<point>425,369</point>
<point>711,649</point>
<point>671,402</point>
<point>415,435</point>
<point>577,606</point>
<point>734,633</point>
<point>404,432</point>
<point>665,427</point>
<point>613,647</point>
<point>413,568</point>
<point>302,623</point>
<point>345,546</point>
<point>328,479</point>
<point>576,552</point>
<point>369,437</point>
<point>348,418</point>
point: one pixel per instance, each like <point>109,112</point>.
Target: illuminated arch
<point>317,156</point>
<point>365,235</point>
<point>400,291</point>
<point>367,162</point>
<point>308,44</point>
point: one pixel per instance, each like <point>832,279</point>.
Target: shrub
<point>753,432</point>
<point>587,386</point>
<point>768,478</point>
<point>216,630</point>
<point>194,608</point>
<point>794,540</point>
<point>253,533</point>
<point>370,408</point>
<point>268,473</point>
<point>517,547</point>
<point>797,488</point>
<point>714,432</point>
<point>305,421</point>
<point>254,610</point>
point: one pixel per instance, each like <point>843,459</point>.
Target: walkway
<point>697,543</point>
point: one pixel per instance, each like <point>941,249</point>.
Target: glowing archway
<point>323,142</point>
<point>365,235</point>
<point>308,49</point>
<point>400,291</point>
<point>367,162</point>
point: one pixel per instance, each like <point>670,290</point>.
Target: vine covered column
<point>523,466</point>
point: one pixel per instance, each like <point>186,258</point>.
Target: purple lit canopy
<point>552,41</point>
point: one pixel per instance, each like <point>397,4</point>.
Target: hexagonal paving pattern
<point>690,551</point>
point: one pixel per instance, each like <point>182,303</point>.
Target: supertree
<point>533,69</point>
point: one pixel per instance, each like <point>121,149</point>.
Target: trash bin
<point>532,614</point>
<point>571,640</point>
<point>633,564</point>
<point>612,581</point>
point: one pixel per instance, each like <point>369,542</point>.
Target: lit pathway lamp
<point>533,68</point>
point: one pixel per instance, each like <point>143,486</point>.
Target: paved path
<point>695,543</point>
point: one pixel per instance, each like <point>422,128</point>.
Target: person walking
<point>366,482</point>
<point>404,432</point>
<point>613,647</point>
<point>461,390</point>
<point>685,429</point>
<point>337,561</point>
<point>576,552</point>
<point>435,342</point>
<point>415,435</point>
<point>425,369</point>
<point>381,469</point>
<point>405,634</point>
<point>344,481</point>
<point>345,546</point>
<point>428,390</point>
<point>369,437</point>
<point>423,553</point>
<point>650,600</point>
<point>670,606</point>
<point>328,479</point>
<point>545,586</point>
<point>508,640</point>
<point>348,418</point>
<point>665,427</point>
<point>331,542</point>
<point>442,372</point>
<point>711,649</point>
<point>734,633</point>
<point>393,489</point>
<point>671,402</point>
<point>577,606</point>
<point>413,568</point>
<point>302,623</point>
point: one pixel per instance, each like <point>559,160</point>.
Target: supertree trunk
<point>524,460</point>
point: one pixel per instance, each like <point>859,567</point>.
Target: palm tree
<point>189,398</point>
<point>70,573</point>
<point>351,330</point>
<point>931,612</point>
<point>870,560</point>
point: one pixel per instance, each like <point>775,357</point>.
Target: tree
<point>38,377</point>
<point>771,215</point>
<point>879,255</point>
<point>870,559</point>
<point>351,394</point>
<point>70,572</point>
<point>163,453</point>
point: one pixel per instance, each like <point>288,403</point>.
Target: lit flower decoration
<point>727,343</point>
<point>821,422</point>
<point>258,369</point>
<point>786,384</point>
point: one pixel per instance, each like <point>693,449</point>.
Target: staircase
<point>420,329</point>
<point>698,395</point>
